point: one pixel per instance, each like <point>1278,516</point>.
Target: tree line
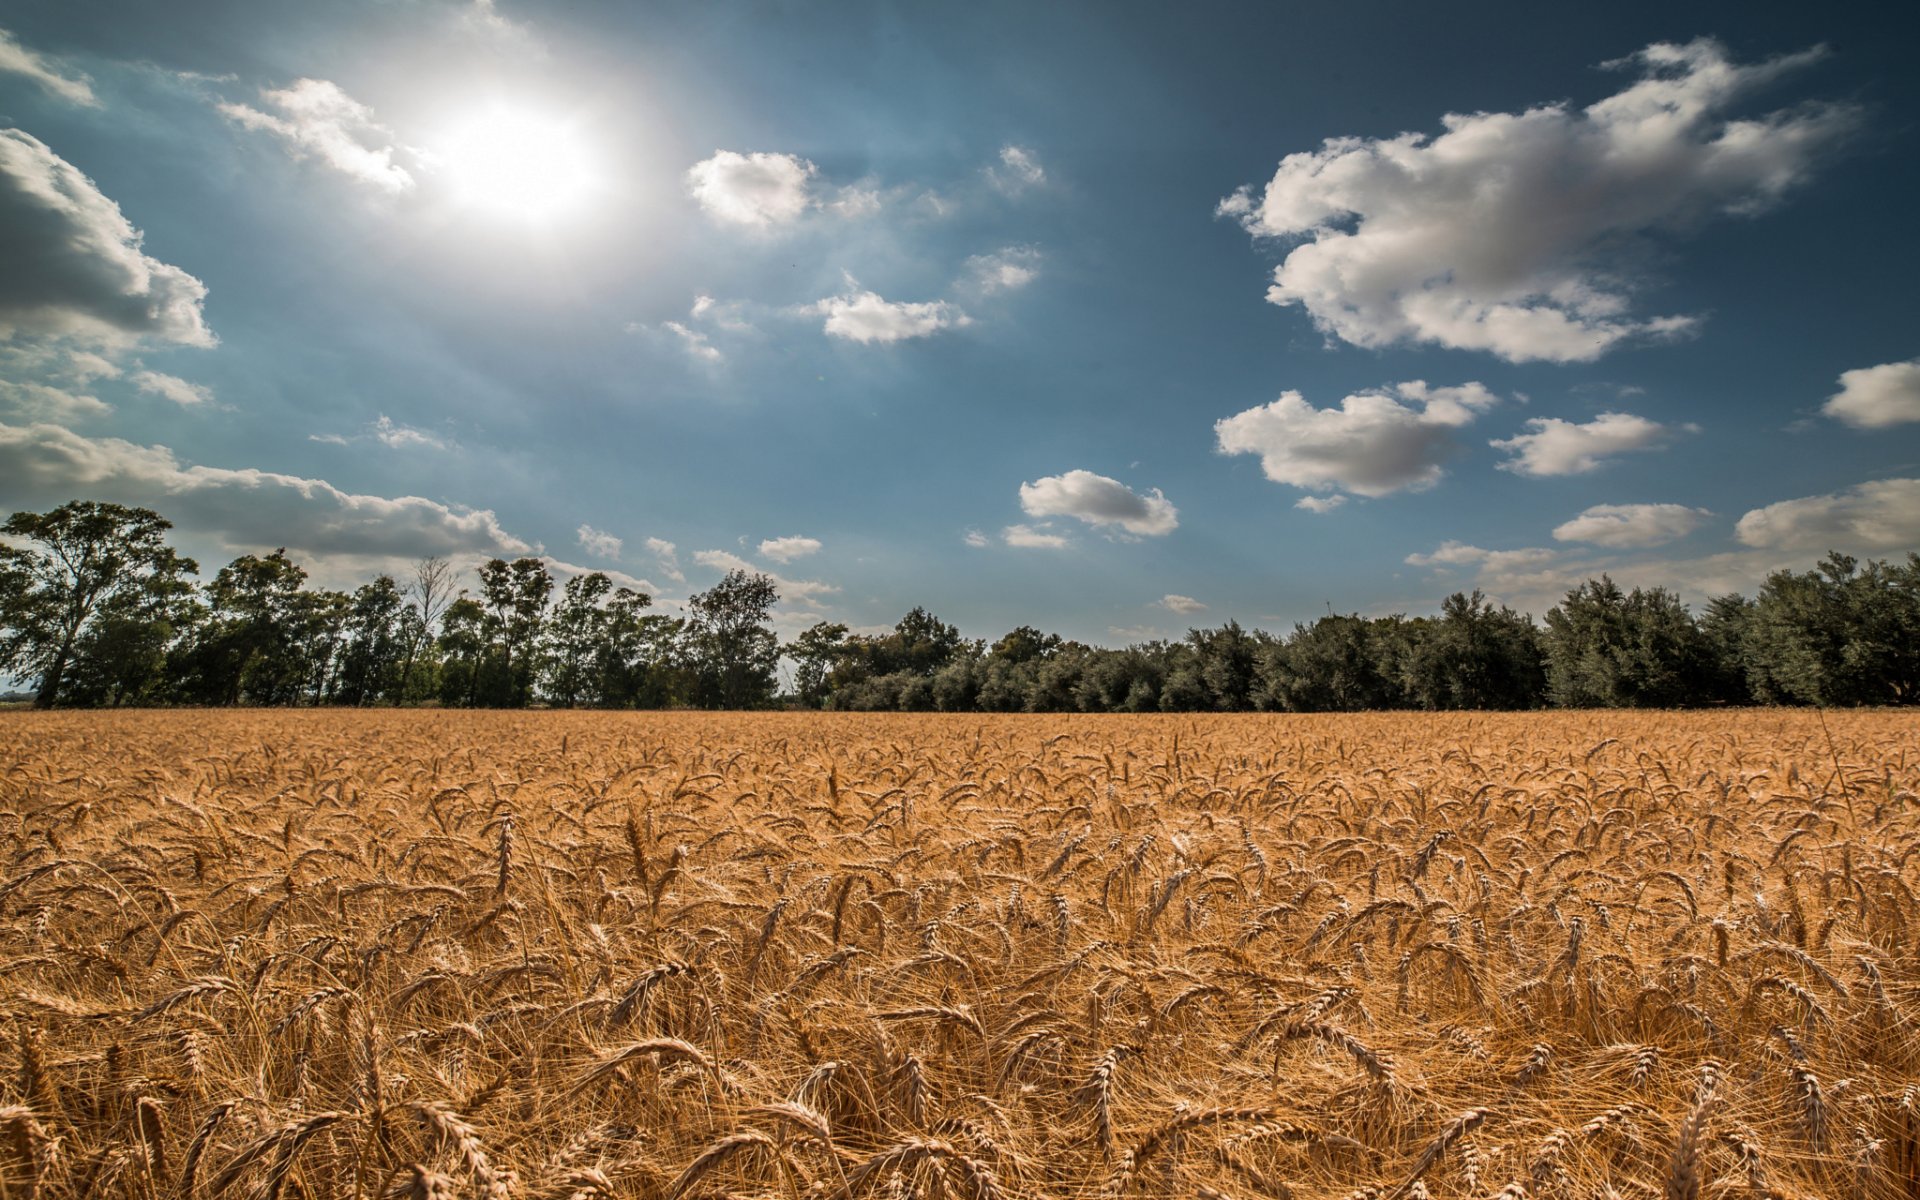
<point>97,610</point>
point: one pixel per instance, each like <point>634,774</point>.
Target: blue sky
<point>1110,318</point>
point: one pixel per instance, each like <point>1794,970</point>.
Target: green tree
<point>736,650</point>
<point>1839,634</point>
<point>815,654</point>
<point>373,664</point>
<point>463,651</point>
<point>254,643</point>
<point>83,558</point>
<point>515,595</point>
<point>1025,644</point>
<point>1613,649</point>
<point>1337,664</point>
<point>1476,656</point>
<point>573,639</point>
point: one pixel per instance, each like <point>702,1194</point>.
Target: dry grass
<point>544,955</point>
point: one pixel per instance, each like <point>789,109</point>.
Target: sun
<point>515,162</point>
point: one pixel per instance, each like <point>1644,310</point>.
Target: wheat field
<point>349,954</point>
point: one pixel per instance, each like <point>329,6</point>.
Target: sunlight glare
<point>517,163</point>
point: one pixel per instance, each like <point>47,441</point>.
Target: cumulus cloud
<point>759,190</point>
<point>316,118</point>
<point>795,591</point>
<point>1883,514</point>
<point>172,387</point>
<point>36,401</point>
<point>1514,233</point>
<point>976,539</point>
<point>1555,447</point>
<point>74,263</point>
<point>21,61</point>
<point>867,317</point>
<point>1100,501</point>
<point>1030,538</point>
<point>1004,270</point>
<point>1877,397</point>
<point>1375,443</point>
<point>1526,576</point>
<point>1320,504</point>
<point>598,542</point>
<point>245,507</point>
<point>1624,526</point>
<point>1183,605</point>
<point>666,555</point>
<point>1018,170</point>
<point>786,549</point>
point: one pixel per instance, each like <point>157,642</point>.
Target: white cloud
<point>786,549</point>
<point>1100,501</point>
<point>21,61</point>
<point>796,591</point>
<point>665,554</point>
<point>1556,447</point>
<point>1877,397</point>
<point>1019,170</point>
<point>1133,635</point>
<point>1880,515</point>
<point>1514,233</point>
<point>1028,537</point>
<point>1004,270</point>
<point>976,539</point>
<point>695,342</point>
<point>88,366</point>
<point>246,507</point>
<point>598,542</point>
<point>758,190</point>
<point>1320,504</point>
<point>1183,605</point>
<point>564,571</point>
<point>74,266</point>
<point>317,118</point>
<point>1625,526</point>
<point>724,313</point>
<point>1529,573</point>
<point>35,401</point>
<point>853,202</point>
<point>1375,443</point>
<point>388,432</point>
<point>172,387</point>
<point>866,317</point>
<point>396,436</point>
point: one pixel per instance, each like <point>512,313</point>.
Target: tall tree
<point>738,651</point>
<point>254,646</point>
<point>430,591</point>
<point>1614,649</point>
<point>371,665</point>
<point>1477,656</point>
<point>573,639</point>
<point>84,556</point>
<point>516,596</point>
<point>815,653</point>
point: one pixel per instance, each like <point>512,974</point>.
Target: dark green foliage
<point>96,610</point>
<point>1612,649</point>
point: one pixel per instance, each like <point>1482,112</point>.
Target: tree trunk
<point>56,671</point>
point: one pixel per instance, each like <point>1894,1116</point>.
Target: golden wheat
<point>360,955</point>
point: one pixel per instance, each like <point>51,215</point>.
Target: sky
<point>1112,318</point>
